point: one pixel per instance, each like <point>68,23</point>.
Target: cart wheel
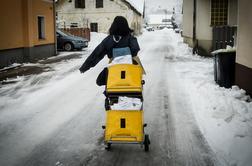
<point>146,143</point>
<point>108,147</point>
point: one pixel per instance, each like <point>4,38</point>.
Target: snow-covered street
<point>55,118</point>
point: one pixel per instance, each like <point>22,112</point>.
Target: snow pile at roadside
<point>224,115</point>
<point>11,66</point>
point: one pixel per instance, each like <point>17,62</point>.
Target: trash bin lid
<point>228,50</point>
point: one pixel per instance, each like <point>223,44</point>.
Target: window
<point>41,27</point>
<point>80,4</point>
<point>99,3</point>
<point>94,27</point>
<point>74,25</point>
<point>219,12</point>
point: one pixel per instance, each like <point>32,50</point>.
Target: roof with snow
<point>138,5</point>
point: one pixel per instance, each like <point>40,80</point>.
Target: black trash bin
<point>215,67</point>
<point>224,68</point>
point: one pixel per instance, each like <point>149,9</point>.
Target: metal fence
<point>81,32</point>
<point>223,36</point>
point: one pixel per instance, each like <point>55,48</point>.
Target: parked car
<point>69,42</point>
<point>177,30</point>
<point>174,25</point>
<point>169,26</point>
<point>160,27</point>
<point>149,28</point>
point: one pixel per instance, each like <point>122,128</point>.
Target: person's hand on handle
<point>82,70</point>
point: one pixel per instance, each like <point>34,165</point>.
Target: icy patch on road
<point>224,115</point>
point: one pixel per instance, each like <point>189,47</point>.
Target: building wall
<point>14,15</point>
<point>188,22</point>
<point>203,28</point>
<point>43,8</point>
<point>19,31</point>
<point>232,12</point>
<point>135,21</point>
<point>67,14</point>
<point>244,46</point>
<point>11,29</point>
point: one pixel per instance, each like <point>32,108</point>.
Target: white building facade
<point>198,30</point>
<point>97,14</point>
<point>156,20</point>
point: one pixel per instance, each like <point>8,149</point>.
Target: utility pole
<point>144,10</point>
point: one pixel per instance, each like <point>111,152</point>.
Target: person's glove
<point>82,70</point>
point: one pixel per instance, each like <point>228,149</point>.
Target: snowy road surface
<point>55,118</point>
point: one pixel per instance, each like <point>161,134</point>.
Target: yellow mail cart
<point>124,126</point>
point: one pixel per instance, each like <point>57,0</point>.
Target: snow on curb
<point>223,115</point>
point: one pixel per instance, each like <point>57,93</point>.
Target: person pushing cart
<point>124,85</point>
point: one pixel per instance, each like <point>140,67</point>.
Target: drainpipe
<point>55,35</point>
<point>194,26</point>
<point>144,10</point>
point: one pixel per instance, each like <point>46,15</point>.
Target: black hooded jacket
<point>106,47</point>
